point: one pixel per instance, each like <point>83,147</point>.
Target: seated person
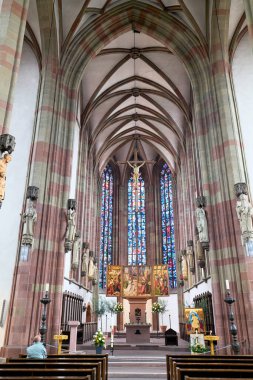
<point>37,349</point>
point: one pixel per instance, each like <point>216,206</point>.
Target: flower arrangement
<point>198,348</point>
<point>118,308</point>
<point>157,307</point>
<point>99,339</point>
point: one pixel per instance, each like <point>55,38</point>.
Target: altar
<point>137,332</point>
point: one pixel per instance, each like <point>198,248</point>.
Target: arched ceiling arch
<point>135,60</point>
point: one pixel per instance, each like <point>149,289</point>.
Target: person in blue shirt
<point>37,349</point>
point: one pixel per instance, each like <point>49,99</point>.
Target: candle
<point>227,285</point>
<point>47,287</point>
<point>112,339</point>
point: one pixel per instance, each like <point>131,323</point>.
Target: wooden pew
<point>199,373</point>
<point>46,372</point>
<point>214,378</point>
<point>170,360</point>
<point>103,358</point>
<point>44,363</point>
<point>43,378</point>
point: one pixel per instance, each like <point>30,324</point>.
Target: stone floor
<point>138,361</point>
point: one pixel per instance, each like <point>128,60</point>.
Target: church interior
<point>125,171</point>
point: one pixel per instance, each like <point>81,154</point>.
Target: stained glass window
<point>167,214</point>
<point>106,225</point>
<point>136,222</point>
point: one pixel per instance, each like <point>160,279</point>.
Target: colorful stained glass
<point>136,222</point>
<point>167,215</point>
<point>106,225</point>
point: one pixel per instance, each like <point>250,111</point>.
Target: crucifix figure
<point>136,165</point>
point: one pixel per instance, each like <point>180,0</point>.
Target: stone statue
<point>190,259</point>
<point>29,218</point>
<point>201,224</point>
<point>76,251</point>
<point>184,268</point>
<point>95,278</point>
<point>136,171</point>
<point>91,267</point>
<point>6,158</point>
<point>85,261</point>
<point>71,229</point>
<point>244,212</point>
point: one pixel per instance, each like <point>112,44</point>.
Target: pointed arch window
<point>136,222</point>
<point>106,224</point>
<point>167,216</point>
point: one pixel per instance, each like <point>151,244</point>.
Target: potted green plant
<point>159,307</point>
<point>198,348</point>
<point>99,342</point>
<point>100,309</point>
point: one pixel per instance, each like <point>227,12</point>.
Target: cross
<point>136,165</point>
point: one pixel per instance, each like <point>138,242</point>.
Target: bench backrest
<point>46,372</point>
<point>45,378</point>
<point>181,373</point>
<point>83,360</point>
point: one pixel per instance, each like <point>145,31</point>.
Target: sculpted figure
<point>91,269</point>
<point>136,171</point>
<point>244,212</point>
<point>85,261</point>
<point>71,229</point>
<point>29,218</point>
<point>201,224</point>
<point>6,158</point>
<point>190,258</point>
<point>76,252</point>
<point>184,268</point>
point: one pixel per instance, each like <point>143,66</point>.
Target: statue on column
<point>29,218</point>
<point>244,212</point>
<point>184,265</point>
<point>71,226</point>
<point>201,224</point>
<point>4,160</point>
<point>85,259</point>
<point>95,277</point>
<point>190,256</point>
<point>91,266</point>
<point>76,251</point>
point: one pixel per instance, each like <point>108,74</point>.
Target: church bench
<point>213,366</point>
<point>46,372</point>
<point>215,378</point>
<point>47,378</point>
<point>103,358</point>
<point>199,373</point>
<point>170,360</point>
<point>53,363</point>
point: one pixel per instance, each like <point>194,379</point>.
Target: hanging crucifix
<point>136,165</point>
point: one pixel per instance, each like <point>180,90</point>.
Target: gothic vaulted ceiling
<point>134,86</point>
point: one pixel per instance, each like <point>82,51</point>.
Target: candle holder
<point>43,326</point>
<point>233,329</point>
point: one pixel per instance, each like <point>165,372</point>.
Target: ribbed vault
<point>136,65</point>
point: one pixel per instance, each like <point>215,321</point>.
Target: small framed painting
<point>194,320</point>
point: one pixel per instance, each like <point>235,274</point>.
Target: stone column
<point>51,172</point>
<point>248,5</point>
<point>225,168</point>
<point>73,335</point>
<point>12,28</point>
